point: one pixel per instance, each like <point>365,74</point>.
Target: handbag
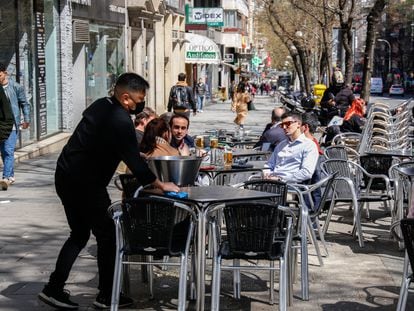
<point>250,105</point>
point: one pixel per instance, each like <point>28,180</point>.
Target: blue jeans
<point>7,154</point>
<point>200,100</point>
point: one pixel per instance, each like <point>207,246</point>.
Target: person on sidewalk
<point>19,105</point>
<point>201,90</point>
<point>181,99</point>
<point>239,104</point>
<point>104,136</point>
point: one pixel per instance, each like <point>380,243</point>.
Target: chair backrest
<point>378,164</point>
<point>129,184</point>
<point>268,185</point>
<point>252,227</point>
<point>155,226</point>
<point>341,152</point>
<point>233,178</point>
<point>407,229</point>
<point>349,139</point>
<point>344,173</point>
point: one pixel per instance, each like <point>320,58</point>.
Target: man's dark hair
<point>311,120</point>
<point>182,76</point>
<point>131,82</point>
<point>179,115</point>
<point>3,67</point>
<point>293,115</point>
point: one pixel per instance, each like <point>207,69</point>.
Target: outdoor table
<point>251,154</point>
<point>213,170</point>
<point>203,199</point>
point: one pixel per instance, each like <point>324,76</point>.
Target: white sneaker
<point>201,111</point>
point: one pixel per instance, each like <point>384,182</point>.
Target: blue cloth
<point>294,161</point>
<point>179,195</point>
<point>7,154</point>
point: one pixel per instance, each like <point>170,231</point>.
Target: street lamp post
<point>389,52</point>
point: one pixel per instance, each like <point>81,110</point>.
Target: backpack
<point>180,97</point>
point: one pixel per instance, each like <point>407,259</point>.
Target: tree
<point>373,19</point>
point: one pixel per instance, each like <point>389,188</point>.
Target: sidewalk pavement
<point>33,228</point>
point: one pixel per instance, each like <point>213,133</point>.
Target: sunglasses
<point>287,124</point>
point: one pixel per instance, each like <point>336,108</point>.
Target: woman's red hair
<point>357,108</point>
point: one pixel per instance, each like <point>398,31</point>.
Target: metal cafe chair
<point>127,183</point>
<point>353,185</point>
<point>407,228</point>
<point>234,178</point>
<point>341,152</point>
<point>153,227</point>
<point>349,139</point>
<point>315,208</point>
<point>256,230</point>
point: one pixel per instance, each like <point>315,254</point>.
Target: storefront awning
<point>201,50</point>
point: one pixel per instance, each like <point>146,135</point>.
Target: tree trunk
<point>372,19</point>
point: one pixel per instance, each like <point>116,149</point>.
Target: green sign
<point>213,17</point>
<point>201,55</point>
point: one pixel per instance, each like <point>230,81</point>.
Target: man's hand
<point>169,186</point>
<point>25,125</point>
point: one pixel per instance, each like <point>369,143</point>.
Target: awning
<point>201,50</point>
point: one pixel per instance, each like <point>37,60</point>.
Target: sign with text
<point>228,58</point>
<point>213,17</point>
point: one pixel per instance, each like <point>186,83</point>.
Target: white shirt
<point>294,161</point>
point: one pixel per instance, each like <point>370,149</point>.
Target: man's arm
<point>23,104</point>
<point>310,157</point>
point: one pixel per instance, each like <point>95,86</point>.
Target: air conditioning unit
<point>80,31</point>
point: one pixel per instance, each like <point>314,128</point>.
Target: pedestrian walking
<point>19,105</point>
<point>181,99</point>
<point>201,91</point>
<point>104,136</point>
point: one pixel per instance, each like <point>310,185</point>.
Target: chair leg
<point>215,285</point>
<point>322,237</point>
<point>367,214</point>
<point>283,286</point>
<point>165,260</point>
<point>182,288</point>
<point>116,286</point>
<point>357,223</point>
<point>272,283</point>
<point>193,290</point>
<point>328,216</point>
<point>315,241</point>
<point>150,277</point>
<point>402,299</point>
<point>236,279</point>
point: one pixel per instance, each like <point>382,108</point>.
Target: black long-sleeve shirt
<point>104,136</point>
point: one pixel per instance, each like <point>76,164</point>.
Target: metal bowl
<point>181,170</point>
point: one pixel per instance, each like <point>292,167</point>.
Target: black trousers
<point>86,211</point>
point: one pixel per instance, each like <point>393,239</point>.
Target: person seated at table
<point>273,134</point>
<point>353,121</point>
<point>180,140</point>
<point>309,125</point>
<point>156,140</point>
<point>354,118</point>
<point>141,121</point>
<point>294,159</point>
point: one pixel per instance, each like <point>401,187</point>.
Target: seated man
<point>294,159</point>
<point>179,124</point>
<point>273,134</point>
